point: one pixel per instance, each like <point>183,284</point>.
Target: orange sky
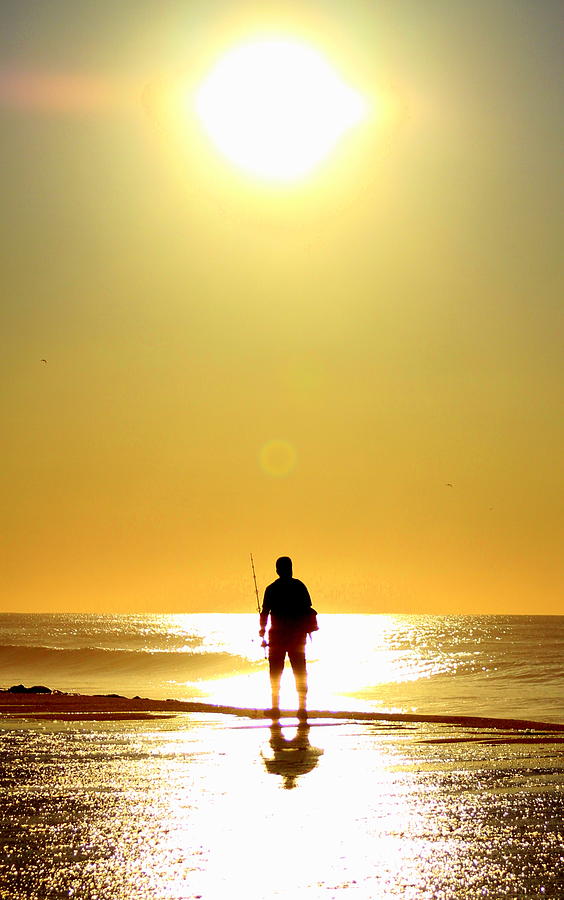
<point>394,320</point>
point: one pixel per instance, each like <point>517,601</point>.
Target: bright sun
<point>276,108</point>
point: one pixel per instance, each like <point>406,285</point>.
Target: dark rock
<point>36,689</point>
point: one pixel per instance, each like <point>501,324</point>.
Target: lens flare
<point>277,458</point>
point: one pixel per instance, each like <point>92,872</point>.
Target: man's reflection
<point>290,757</point>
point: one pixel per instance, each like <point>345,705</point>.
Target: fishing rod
<point>257,596</point>
<point>256,586</point>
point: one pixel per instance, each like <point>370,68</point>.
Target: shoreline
<point>76,707</point>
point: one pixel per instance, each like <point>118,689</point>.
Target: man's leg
<point>298,661</point>
<point>276,665</point>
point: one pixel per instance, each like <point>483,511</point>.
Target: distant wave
<point>17,660</point>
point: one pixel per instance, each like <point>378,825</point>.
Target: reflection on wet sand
<point>290,757</point>
<point>187,807</point>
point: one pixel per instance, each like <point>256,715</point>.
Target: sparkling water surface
<point>215,806</point>
<point>501,666</point>
<point>209,808</point>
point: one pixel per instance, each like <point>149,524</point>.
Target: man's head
<point>284,566</point>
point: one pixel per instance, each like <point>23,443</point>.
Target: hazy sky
<point>395,320</point>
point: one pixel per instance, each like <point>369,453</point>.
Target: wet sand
<point>137,799</point>
<point>61,706</point>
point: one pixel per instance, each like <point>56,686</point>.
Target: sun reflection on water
<point>388,663</point>
<point>253,843</point>
<point>343,661</point>
<point>242,837</point>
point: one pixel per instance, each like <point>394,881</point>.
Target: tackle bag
<point>311,621</point>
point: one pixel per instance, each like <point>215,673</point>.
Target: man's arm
<point>264,613</point>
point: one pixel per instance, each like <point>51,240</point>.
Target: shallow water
<point>210,807</point>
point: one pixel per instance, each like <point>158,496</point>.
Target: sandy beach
<point>59,705</point>
<point>111,797</point>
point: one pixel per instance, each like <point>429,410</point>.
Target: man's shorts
<point>291,644</point>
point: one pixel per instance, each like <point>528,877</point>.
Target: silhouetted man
<point>288,604</point>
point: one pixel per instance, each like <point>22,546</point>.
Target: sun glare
<point>276,108</point>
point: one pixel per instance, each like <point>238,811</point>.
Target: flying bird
<point>44,361</point>
<point>448,484</point>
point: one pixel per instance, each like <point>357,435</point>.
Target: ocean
<point>203,805</point>
<point>498,666</point>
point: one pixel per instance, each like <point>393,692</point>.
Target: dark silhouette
<point>288,604</point>
<point>290,757</point>
<point>36,689</point>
